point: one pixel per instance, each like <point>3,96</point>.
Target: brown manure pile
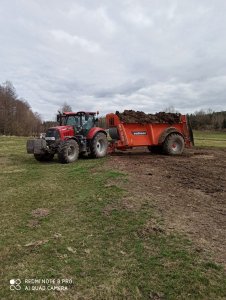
<point>131,116</point>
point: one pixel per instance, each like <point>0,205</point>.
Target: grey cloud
<point>108,55</point>
<point>125,89</point>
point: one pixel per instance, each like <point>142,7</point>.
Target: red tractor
<point>76,134</point>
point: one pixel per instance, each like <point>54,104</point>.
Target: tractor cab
<point>81,121</point>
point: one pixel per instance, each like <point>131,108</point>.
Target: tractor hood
<point>63,128</point>
<point>63,131</point>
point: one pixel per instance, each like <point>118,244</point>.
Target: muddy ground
<point>187,192</point>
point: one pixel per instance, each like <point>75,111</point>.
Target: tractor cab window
<point>87,122</point>
<point>82,122</point>
<point>73,121</point>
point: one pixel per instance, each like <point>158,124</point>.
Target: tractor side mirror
<point>59,119</point>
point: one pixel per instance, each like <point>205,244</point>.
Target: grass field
<point>210,139</point>
<point>54,225</point>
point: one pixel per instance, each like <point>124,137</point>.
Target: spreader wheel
<point>68,152</point>
<point>99,145</point>
<point>173,144</point>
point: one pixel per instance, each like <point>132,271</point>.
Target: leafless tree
<point>65,107</point>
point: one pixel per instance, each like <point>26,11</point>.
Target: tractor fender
<point>167,132</point>
<point>93,131</point>
<point>67,138</point>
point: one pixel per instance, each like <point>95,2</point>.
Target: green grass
<point>107,256</point>
<point>210,139</point>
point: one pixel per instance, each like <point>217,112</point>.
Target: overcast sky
<point>115,54</point>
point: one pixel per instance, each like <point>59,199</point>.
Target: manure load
<point>131,116</point>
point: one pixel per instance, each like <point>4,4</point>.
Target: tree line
<point>16,116</point>
<point>208,120</point>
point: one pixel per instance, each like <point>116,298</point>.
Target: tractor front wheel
<point>173,144</point>
<point>99,145</point>
<point>68,152</point>
<point>44,157</point>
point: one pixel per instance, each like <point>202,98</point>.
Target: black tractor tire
<point>68,152</point>
<point>173,144</point>
<point>99,145</point>
<point>44,157</point>
<point>155,149</point>
<point>113,132</point>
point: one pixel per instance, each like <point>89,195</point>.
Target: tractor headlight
<point>50,138</point>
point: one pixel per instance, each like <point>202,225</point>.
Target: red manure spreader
<point>78,134</point>
<point>166,133</point>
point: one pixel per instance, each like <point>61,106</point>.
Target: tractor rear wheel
<point>44,157</point>
<point>173,144</point>
<point>99,145</point>
<point>68,152</point>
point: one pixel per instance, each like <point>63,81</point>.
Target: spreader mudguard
<point>166,132</point>
<point>190,131</point>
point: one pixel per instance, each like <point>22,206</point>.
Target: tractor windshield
<point>85,122</point>
<point>72,120</point>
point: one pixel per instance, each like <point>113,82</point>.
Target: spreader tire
<point>68,152</point>
<point>173,144</point>
<point>44,157</point>
<point>99,145</point>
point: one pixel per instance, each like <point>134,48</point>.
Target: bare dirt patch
<point>37,214</point>
<point>188,192</point>
<point>33,223</point>
<point>40,213</point>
